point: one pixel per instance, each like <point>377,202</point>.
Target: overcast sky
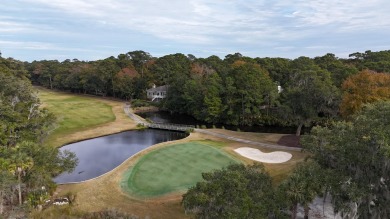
<point>96,29</point>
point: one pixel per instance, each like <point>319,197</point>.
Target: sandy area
<point>256,154</point>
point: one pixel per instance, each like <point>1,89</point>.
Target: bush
<point>141,126</point>
<point>188,131</point>
<point>71,197</point>
<point>140,103</point>
<point>252,196</point>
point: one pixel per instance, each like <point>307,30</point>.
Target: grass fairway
<point>175,168</point>
<point>81,117</point>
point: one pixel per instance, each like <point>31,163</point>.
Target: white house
<point>280,89</point>
<point>157,93</point>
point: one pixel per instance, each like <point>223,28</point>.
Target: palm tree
<point>20,163</point>
<point>303,186</point>
<point>293,190</point>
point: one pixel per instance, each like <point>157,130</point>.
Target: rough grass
<point>81,117</point>
<point>175,168</point>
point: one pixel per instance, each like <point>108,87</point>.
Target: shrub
<point>188,131</point>
<point>141,126</point>
<point>140,103</point>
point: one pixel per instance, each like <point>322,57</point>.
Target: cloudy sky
<point>96,29</point>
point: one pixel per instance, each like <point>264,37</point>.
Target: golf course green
<point>174,168</point>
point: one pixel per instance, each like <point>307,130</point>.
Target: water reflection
<point>100,155</point>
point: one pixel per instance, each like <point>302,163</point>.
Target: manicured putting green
<point>174,168</point>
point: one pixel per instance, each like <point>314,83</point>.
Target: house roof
<point>160,88</point>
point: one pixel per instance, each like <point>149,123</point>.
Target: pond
<point>166,117</point>
<point>100,155</point>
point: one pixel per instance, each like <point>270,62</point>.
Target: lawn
<point>175,168</point>
<point>77,114</point>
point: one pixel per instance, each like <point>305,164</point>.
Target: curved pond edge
<point>129,158</point>
<point>98,136</point>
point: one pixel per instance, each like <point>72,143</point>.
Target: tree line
<point>236,90</point>
<point>26,166</point>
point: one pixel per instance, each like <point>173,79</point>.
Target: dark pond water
<point>100,155</point>
<point>166,117</point>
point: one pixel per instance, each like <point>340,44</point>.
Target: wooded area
<point>235,90</point>
<point>26,166</point>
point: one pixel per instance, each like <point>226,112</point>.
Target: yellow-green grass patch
<point>174,168</point>
<point>75,113</point>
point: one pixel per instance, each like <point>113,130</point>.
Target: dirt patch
<point>289,140</point>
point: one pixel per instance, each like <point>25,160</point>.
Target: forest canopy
<point>236,90</point>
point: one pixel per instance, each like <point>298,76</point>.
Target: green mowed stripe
<point>75,113</point>
<point>175,168</point>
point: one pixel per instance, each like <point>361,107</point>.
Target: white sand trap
<point>256,154</point>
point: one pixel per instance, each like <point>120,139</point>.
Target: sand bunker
<point>256,154</point>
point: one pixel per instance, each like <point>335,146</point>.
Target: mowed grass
<point>74,113</point>
<point>175,168</point>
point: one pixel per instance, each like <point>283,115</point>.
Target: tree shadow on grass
<point>290,141</point>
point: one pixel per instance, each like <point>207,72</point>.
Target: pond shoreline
<point>100,155</point>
